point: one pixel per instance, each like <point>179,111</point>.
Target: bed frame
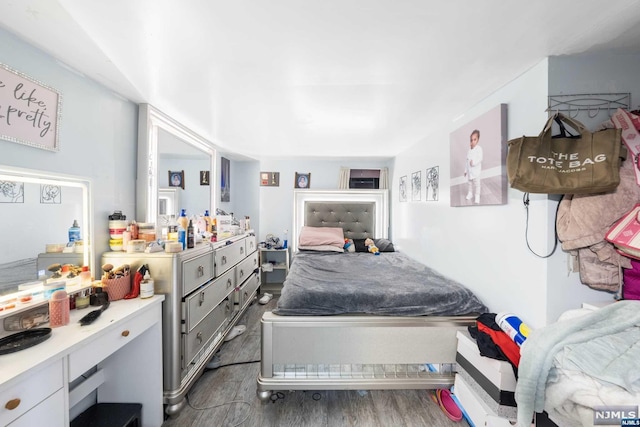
<point>354,352</point>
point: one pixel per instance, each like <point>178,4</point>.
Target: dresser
<point>206,289</point>
<point>115,359</point>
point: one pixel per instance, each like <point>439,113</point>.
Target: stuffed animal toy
<point>349,246</point>
<point>371,246</point>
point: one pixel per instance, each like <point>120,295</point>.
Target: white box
<point>501,403</point>
<point>499,372</point>
<point>477,411</point>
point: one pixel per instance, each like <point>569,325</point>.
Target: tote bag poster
<point>478,160</point>
<point>29,110</point>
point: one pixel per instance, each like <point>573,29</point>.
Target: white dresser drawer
<point>246,290</point>
<point>196,272</point>
<point>30,391</point>
<point>251,244</point>
<point>48,413</point>
<point>228,256</point>
<point>201,335</point>
<point>97,350</point>
<point>201,302</point>
<point>246,267</point>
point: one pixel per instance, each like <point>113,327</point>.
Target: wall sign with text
<point>29,110</point>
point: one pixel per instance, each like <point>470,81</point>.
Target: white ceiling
<point>366,78</point>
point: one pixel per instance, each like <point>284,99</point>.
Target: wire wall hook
<point>594,103</point>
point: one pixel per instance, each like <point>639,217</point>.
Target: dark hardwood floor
<point>227,396</point>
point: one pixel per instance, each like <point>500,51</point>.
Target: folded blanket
<point>611,363</point>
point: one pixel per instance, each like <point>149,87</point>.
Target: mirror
<point>166,149</point>
<point>38,208</point>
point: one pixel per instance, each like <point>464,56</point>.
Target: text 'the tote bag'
<point>585,163</point>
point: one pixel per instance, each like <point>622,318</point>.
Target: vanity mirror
<point>165,145</point>
<point>37,209</point>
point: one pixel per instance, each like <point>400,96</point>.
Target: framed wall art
<point>11,192</point>
<point>416,186</point>
<point>478,155</point>
<point>176,179</point>
<point>303,180</point>
<point>204,178</point>
<point>270,179</point>
<point>432,183</point>
<point>30,110</point>
<point>50,194</point>
<point>225,177</point>
<point>403,189</point>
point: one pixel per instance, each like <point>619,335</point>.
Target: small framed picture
<point>204,177</point>
<point>303,180</point>
<point>270,179</point>
<point>176,179</point>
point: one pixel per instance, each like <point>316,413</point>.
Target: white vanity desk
<point>44,385</point>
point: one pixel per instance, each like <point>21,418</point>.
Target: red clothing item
<point>504,341</point>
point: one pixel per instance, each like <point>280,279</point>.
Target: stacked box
<point>476,411</point>
<point>490,381</point>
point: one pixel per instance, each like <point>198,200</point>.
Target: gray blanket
<point>327,283</point>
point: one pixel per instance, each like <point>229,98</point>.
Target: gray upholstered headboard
<point>360,213</point>
<point>356,219</point>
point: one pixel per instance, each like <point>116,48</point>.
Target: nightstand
<point>274,267</point>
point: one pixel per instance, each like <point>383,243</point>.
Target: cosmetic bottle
<point>191,238</point>
<point>134,229</point>
<point>183,220</point>
<point>74,232</point>
<point>207,219</point>
<point>214,230</point>
<point>126,237</point>
<point>146,286</point>
<point>285,242</point>
<point>82,299</point>
<point>182,236</point>
<point>85,276</point>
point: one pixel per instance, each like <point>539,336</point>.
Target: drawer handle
<point>246,295</point>
<point>199,337</point>
<point>227,308</point>
<point>251,244</point>
<point>201,298</point>
<point>200,271</point>
<point>125,333</point>
<point>241,273</point>
<point>255,261</point>
<point>241,250</point>
<point>229,283</point>
<point>12,404</point>
<point>223,260</point>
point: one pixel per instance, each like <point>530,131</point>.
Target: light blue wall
<point>98,132</point>
<point>276,203</point>
<point>195,197</point>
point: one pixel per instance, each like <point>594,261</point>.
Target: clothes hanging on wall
<point>583,221</point>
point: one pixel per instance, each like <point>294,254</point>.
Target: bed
<point>321,345</point>
<point>587,360</point>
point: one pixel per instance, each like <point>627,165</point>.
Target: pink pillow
<point>316,236</point>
